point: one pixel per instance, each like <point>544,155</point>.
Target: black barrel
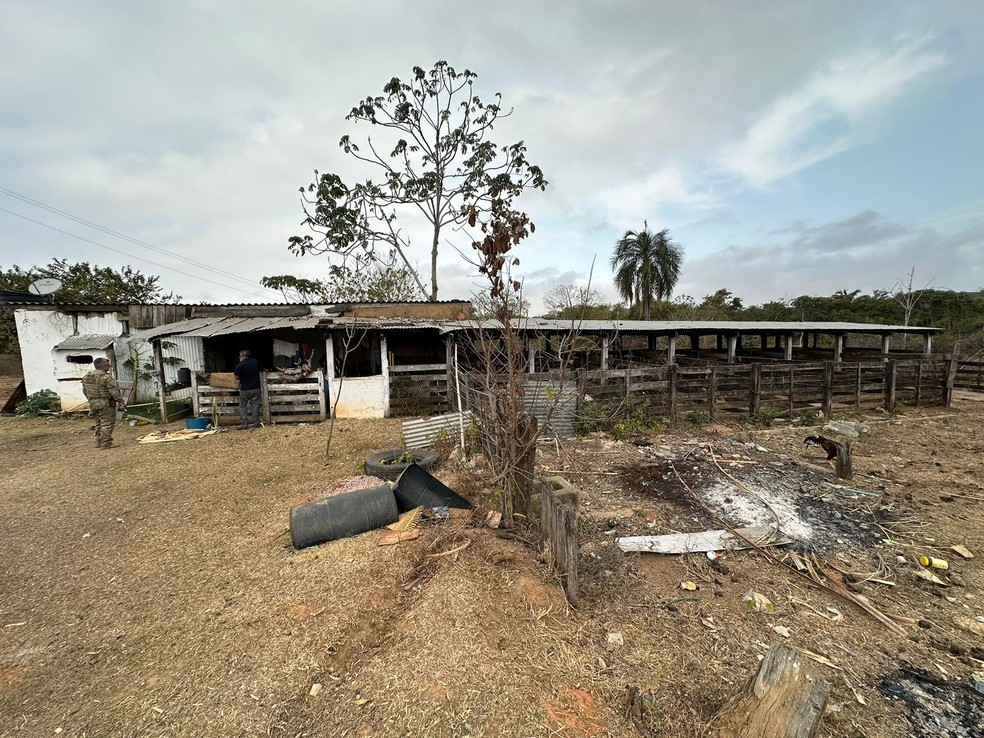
<point>416,487</point>
<point>340,516</point>
<point>184,376</point>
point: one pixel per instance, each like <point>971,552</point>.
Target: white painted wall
<point>39,331</point>
<point>361,397</point>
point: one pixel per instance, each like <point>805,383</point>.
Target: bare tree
<point>904,294</point>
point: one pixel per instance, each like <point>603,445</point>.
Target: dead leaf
<point>962,551</point>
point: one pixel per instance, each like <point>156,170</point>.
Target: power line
<point>131,256</point>
<point>135,241</point>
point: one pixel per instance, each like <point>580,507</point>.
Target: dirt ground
<point>151,589</point>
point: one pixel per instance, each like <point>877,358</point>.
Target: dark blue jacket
<point>248,374</point>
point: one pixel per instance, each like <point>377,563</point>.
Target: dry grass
<point>148,591</point>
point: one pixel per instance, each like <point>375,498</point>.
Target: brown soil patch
<point>159,596</point>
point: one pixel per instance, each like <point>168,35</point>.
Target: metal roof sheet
<point>87,341</point>
<point>222,326</point>
<point>688,326</point>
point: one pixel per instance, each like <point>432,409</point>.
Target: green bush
<point>767,415</point>
<point>589,417</point>
<point>42,401</point>
<point>810,417</point>
<point>699,417</point>
<point>635,425</point>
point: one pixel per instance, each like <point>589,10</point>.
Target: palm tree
<point>646,266</point>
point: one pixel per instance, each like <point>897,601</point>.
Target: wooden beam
<point>671,351</point>
<point>732,349</point>
<point>928,343</point>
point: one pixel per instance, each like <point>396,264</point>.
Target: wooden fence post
<point>265,400</point>
<point>672,376</point>
<point>195,402</point>
<point>792,386</point>
<point>919,374</point>
<point>890,371</point>
<point>845,466</point>
<point>755,390</point>
<point>857,389</point>
<point>558,527</point>
<point>827,403</point>
<point>712,386</point>
<point>951,377</point>
<point>322,396</point>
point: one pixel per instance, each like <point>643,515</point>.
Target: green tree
<point>647,267</point>
<point>81,282</point>
<point>435,160</point>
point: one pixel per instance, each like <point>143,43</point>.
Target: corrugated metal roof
<point>87,341</point>
<point>668,327</point>
<point>171,329</point>
<point>218,326</point>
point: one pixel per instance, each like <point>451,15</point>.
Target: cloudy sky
<point>790,147</point>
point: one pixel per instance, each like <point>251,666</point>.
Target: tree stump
<point>784,699</point>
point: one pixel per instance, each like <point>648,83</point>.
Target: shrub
<point>767,415</point>
<point>636,424</point>
<point>699,417</point>
<point>809,417</point>
<point>43,401</point>
<point>589,417</point>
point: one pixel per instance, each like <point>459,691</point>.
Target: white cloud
<point>825,117</point>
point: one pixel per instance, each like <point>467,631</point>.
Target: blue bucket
<point>196,423</point>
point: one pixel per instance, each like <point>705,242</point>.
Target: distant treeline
<point>959,314</point>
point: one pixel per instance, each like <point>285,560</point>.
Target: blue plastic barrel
<point>341,516</point>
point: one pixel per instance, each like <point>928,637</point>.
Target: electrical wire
<point>51,209</point>
<point>131,256</point>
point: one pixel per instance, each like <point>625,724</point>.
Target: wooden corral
<point>419,389</point>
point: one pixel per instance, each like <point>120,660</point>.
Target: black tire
<point>381,464</point>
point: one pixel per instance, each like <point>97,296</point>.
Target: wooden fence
<point>969,375</point>
<point>735,390</point>
<point>558,526</point>
<point>419,389</point>
<point>280,401</point>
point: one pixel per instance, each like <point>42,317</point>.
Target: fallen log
<point>784,699</point>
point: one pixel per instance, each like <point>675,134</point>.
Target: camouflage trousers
<point>105,417</point>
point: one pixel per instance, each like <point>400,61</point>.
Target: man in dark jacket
<point>248,373</point>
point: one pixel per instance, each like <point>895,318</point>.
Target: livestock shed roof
<point>671,327</point>
<point>87,341</point>
<point>219,326</point>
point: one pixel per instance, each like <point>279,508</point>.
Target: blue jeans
<point>249,399</point>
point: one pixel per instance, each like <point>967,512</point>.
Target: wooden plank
<point>707,540</point>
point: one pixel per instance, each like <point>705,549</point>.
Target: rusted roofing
<point>87,341</point>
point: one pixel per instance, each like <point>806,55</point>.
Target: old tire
<point>381,464</point>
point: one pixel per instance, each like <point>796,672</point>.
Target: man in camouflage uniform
<point>104,396</point>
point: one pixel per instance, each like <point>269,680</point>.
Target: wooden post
<point>385,371</point>
<point>755,390</point>
<point>838,348</point>
<point>671,350</point>
<point>951,378</point>
<point>322,396</point>
<point>195,401</point>
<point>886,344</point>
<point>919,373</point>
<point>784,699</point>
<point>712,386</point>
<point>159,362</point>
<point>890,372</point>
<point>788,347</point>
<point>845,468</point>
<point>558,501</point>
<point>732,348</point>
<point>605,341</point>
<point>792,387</point>
<point>857,389</point>
<point>928,343</point>
<point>265,400</point>
<point>672,372</point>
<point>827,403</point>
